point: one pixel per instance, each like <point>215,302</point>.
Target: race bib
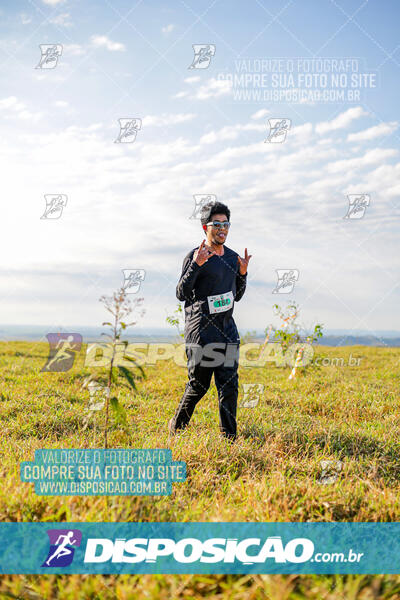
<point>220,303</point>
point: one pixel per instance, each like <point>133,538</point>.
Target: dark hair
<point>213,208</point>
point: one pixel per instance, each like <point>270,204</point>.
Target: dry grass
<point>270,474</point>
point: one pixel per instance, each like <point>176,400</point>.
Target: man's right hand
<point>202,254</point>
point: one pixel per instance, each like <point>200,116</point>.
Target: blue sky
<point>129,204</point>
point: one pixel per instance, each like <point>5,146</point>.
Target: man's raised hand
<point>243,262</point>
<point>202,254</point>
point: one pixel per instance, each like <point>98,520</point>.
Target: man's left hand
<point>243,262</point>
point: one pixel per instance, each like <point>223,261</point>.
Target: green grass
<point>270,474</point>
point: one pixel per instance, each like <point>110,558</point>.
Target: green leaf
<point>114,375</point>
<point>107,323</point>
<point>119,412</point>
<point>128,376</point>
<point>142,371</point>
<point>130,358</point>
<point>133,360</point>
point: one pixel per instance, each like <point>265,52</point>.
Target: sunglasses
<point>220,224</point>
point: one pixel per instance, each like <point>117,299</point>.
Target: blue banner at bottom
<point>162,548</point>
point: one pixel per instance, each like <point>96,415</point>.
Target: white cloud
<point>63,19</point>
<point>168,28</point>
<point>167,119</point>
<point>287,200</point>
<point>263,112</point>
<point>15,109</point>
<point>303,132</point>
<point>230,132</point>
<point>373,132</point>
<point>371,157</point>
<point>53,2</point>
<point>341,121</point>
<point>299,135</point>
<point>61,104</point>
<point>102,41</point>
<point>25,19</point>
<point>213,88</point>
<point>55,77</point>
<point>181,95</point>
<point>73,49</point>
<point>11,103</point>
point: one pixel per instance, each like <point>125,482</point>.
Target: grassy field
<point>270,474</point>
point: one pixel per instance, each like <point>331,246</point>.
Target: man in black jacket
<point>213,278</point>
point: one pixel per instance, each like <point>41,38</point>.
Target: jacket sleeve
<point>190,269</point>
<point>240,285</point>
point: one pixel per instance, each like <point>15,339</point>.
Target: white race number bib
<point>220,303</point>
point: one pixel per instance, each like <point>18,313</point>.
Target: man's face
<point>214,234</point>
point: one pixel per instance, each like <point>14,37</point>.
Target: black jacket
<point>219,275</point>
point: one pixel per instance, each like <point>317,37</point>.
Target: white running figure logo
<point>62,353</point>
<point>62,549</point>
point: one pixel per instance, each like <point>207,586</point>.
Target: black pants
<point>226,381</point>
